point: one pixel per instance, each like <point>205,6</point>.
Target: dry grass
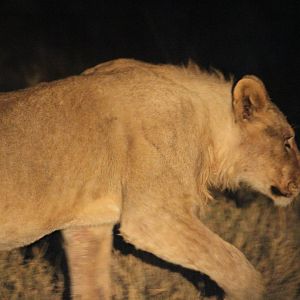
<point>270,238</point>
<point>32,279</point>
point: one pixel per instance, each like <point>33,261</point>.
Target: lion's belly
<point>23,222</point>
<point>14,236</point>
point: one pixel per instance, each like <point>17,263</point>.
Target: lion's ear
<point>249,97</point>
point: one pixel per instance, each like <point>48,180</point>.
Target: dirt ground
<point>269,236</point>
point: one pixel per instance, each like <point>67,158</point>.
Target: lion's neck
<point>223,154</point>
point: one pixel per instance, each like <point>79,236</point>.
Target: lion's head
<point>270,160</point>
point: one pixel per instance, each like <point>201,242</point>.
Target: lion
<point>141,145</point>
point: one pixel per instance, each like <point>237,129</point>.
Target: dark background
<point>46,40</point>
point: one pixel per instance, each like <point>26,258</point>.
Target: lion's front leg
<point>182,239</point>
<point>88,251</point>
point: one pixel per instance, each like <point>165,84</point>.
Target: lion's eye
<point>287,144</point>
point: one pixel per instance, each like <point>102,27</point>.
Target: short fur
<point>141,145</point>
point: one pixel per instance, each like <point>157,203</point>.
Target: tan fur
<point>141,145</point>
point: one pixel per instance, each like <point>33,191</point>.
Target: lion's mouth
<point>278,193</point>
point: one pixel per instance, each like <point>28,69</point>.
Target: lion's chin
<point>282,201</point>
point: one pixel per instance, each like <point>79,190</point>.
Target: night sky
<point>46,40</point>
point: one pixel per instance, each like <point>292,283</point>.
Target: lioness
<point>141,145</point>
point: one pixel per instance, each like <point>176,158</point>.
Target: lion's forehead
<point>276,124</point>
<point>279,131</point>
